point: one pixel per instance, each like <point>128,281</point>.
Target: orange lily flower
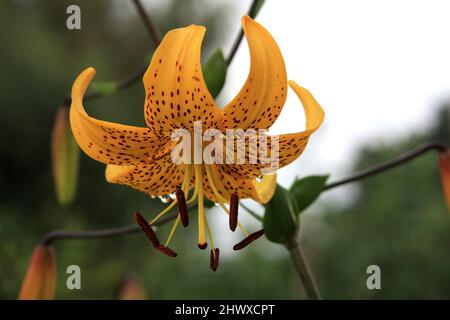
<point>177,97</point>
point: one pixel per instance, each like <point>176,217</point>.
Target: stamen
<point>148,230</point>
<point>172,231</point>
<point>202,246</point>
<point>180,194</point>
<point>182,207</point>
<point>174,202</point>
<point>167,251</point>
<point>187,180</point>
<point>209,233</point>
<point>196,186</point>
<point>221,199</point>
<point>252,237</point>
<point>214,260</point>
<point>201,208</point>
<point>234,205</point>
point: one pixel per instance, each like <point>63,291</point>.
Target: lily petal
<point>265,188</point>
<point>109,142</point>
<point>157,178</point>
<point>261,99</point>
<point>227,184</point>
<point>176,93</point>
<point>290,145</point>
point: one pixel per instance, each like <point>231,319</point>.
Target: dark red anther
<point>148,230</point>
<point>234,204</point>
<point>182,207</point>
<point>202,246</point>
<point>250,238</point>
<point>214,259</point>
<point>167,251</point>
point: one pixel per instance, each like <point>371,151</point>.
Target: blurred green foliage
<point>398,221</point>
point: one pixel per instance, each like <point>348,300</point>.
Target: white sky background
<point>380,69</point>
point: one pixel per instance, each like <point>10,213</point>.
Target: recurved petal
<point>157,178</point>
<point>292,145</point>
<point>227,184</point>
<point>108,142</point>
<point>265,188</point>
<point>263,95</point>
<point>176,93</point>
<point>281,150</point>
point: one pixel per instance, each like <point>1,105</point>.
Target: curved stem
<point>151,29</point>
<point>101,233</point>
<point>387,165</point>
<point>301,266</point>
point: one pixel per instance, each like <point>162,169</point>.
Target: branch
<point>101,233</point>
<point>387,165</point>
<point>154,34</point>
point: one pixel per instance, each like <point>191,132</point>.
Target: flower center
<point>197,173</point>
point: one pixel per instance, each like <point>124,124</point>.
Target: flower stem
<point>153,32</point>
<point>387,165</point>
<point>301,266</point>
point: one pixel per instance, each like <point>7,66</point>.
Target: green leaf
<point>215,72</point>
<point>256,7</point>
<point>307,190</point>
<point>280,218</point>
<point>208,203</point>
<point>104,88</point>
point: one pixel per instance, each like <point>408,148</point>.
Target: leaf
<point>280,218</point>
<point>256,7</point>
<point>208,203</point>
<point>307,190</point>
<point>65,158</point>
<point>215,72</point>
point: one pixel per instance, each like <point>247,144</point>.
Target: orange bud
<point>132,290</point>
<point>40,279</point>
<point>65,158</point>
<point>444,164</point>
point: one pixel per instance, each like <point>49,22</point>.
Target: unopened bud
<point>65,158</point>
<point>40,279</point>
